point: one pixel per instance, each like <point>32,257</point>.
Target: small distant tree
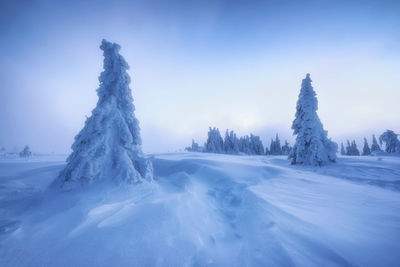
<point>241,144</point>
<point>267,152</point>
<point>375,146</point>
<point>286,148</point>
<point>231,144</point>
<point>348,149</point>
<point>272,147</point>
<point>214,143</point>
<point>25,153</point>
<point>389,138</point>
<point>245,145</point>
<point>256,145</point>
<point>235,144</point>
<point>277,146</point>
<point>354,149</point>
<point>366,149</point>
<point>342,151</point>
<point>227,142</point>
<point>194,147</point>
<point>312,146</point>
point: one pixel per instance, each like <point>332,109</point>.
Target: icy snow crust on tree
<point>26,152</point>
<point>206,210</point>
<point>312,145</point>
<point>375,147</point>
<point>214,143</point>
<point>351,149</point>
<point>366,149</point>
<point>109,145</point>
<point>231,144</point>
<point>392,144</point>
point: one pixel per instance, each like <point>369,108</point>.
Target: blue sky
<point>194,64</point>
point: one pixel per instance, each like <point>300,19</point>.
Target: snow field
<point>205,210</point>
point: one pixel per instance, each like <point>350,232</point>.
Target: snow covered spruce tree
<point>109,145</point>
<point>351,149</point>
<point>366,150</point>
<point>256,145</point>
<point>194,147</point>
<point>214,143</point>
<point>286,148</point>
<point>354,149</point>
<point>26,152</point>
<point>312,146</point>
<point>348,149</point>
<point>231,143</point>
<point>375,146</point>
<point>275,146</point>
<point>244,145</point>
<point>392,144</point>
<point>342,151</point>
<point>278,148</point>
<point>272,147</point>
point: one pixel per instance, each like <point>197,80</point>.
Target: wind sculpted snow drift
<point>206,210</point>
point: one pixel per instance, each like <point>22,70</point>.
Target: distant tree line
<point>252,145</point>
<point>388,139</point>
<point>232,144</point>
<point>312,145</point>
<point>24,153</point>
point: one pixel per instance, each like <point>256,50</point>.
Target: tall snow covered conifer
<point>235,142</point>
<point>312,145</point>
<point>354,149</point>
<point>366,150</point>
<point>348,149</point>
<point>227,142</point>
<point>351,149</point>
<point>392,144</point>
<point>231,145</point>
<point>375,146</point>
<point>272,147</point>
<point>286,148</point>
<point>278,145</point>
<point>214,143</point>
<point>109,145</point>
<point>342,151</point>
<point>275,146</point>
<point>244,145</point>
<point>256,145</point>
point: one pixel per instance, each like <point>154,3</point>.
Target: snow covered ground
<point>205,210</point>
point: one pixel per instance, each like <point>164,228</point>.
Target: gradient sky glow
<point>194,64</point>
